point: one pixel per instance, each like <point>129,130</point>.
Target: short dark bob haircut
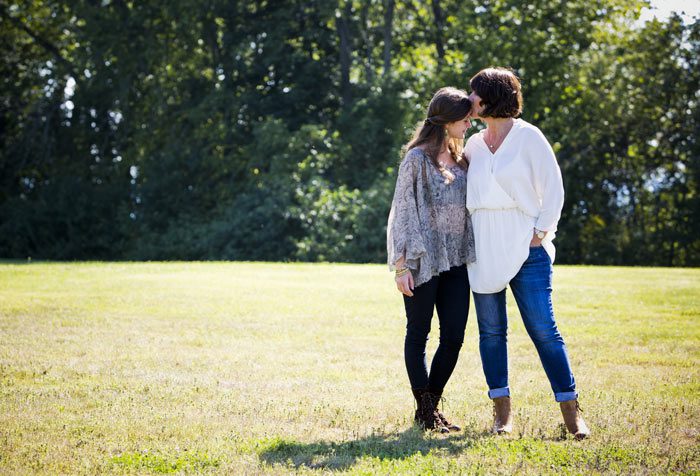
<point>499,90</point>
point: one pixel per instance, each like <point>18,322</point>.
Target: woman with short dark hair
<point>429,243</point>
<point>515,199</point>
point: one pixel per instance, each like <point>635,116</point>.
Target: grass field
<point>260,368</point>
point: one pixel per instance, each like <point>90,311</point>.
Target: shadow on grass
<point>339,456</point>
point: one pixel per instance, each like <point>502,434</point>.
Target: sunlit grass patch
<point>165,463</point>
<point>265,368</point>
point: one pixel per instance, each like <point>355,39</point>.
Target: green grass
<point>261,368</point>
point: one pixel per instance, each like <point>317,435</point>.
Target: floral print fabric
<point>429,224</point>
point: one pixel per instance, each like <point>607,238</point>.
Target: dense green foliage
<point>272,130</point>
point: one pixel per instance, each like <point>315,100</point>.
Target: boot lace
<point>440,415</point>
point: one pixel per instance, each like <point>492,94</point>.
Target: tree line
<point>265,130</point>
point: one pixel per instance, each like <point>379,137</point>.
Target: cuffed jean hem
<point>565,396</point>
<point>499,392</point>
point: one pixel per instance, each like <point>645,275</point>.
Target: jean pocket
<point>536,252</point>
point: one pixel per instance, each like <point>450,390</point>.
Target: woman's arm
<point>405,244</point>
<point>548,183</point>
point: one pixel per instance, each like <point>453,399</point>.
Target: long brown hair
<point>447,105</point>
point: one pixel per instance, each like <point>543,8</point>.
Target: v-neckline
<point>492,153</point>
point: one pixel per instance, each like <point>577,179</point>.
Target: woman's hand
<point>405,284</point>
<point>535,242</point>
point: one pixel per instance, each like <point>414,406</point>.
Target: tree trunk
<point>342,25</point>
<point>388,26</point>
<point>439,15</point>
<point>364,31</point>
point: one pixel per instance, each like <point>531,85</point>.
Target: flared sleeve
<point>403,232</point>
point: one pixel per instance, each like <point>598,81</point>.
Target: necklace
<point>493,143</point>
<point>498,141</point>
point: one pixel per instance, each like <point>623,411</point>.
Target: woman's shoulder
<point>530,131</point>
<point>473,139</point>
<point>414,157</point>
<point>474,144</point>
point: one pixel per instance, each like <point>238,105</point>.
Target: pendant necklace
<point>493,145</point>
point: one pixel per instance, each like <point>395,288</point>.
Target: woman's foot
<point>445,422</point>
<point>427,416</point>
<point>502,416</point>
<point>574,420</point>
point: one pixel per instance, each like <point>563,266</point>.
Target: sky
<point>662,9</point>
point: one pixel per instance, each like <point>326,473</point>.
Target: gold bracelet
<point>402,272</point>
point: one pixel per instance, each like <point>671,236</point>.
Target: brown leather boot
<point>502,417</point>
<point>426,412</point>
<point>574,420</point>
<point>445,422</point>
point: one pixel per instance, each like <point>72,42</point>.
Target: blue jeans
<point>532,289</point>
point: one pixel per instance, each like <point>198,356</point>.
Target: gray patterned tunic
<point>429,224</point>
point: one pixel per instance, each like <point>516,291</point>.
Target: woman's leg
<point>452,303</point>
<point>493,341</point>
<point>493,346</point>
<point>532,289</point>
<point>419,312</point>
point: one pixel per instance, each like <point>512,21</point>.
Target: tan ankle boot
<point>574,420</point>
<point>502,417</point>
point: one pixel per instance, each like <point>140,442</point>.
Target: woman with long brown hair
<point>429,243</point>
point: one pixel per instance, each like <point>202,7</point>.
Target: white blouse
<point>509,193</point>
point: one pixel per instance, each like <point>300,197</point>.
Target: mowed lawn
<point>264,368</point>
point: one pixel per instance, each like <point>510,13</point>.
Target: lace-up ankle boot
<point>574,420</point>
<point>426,412</point>
<point>445,422</point>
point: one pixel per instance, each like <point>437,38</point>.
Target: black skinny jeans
<point>449,293</point>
